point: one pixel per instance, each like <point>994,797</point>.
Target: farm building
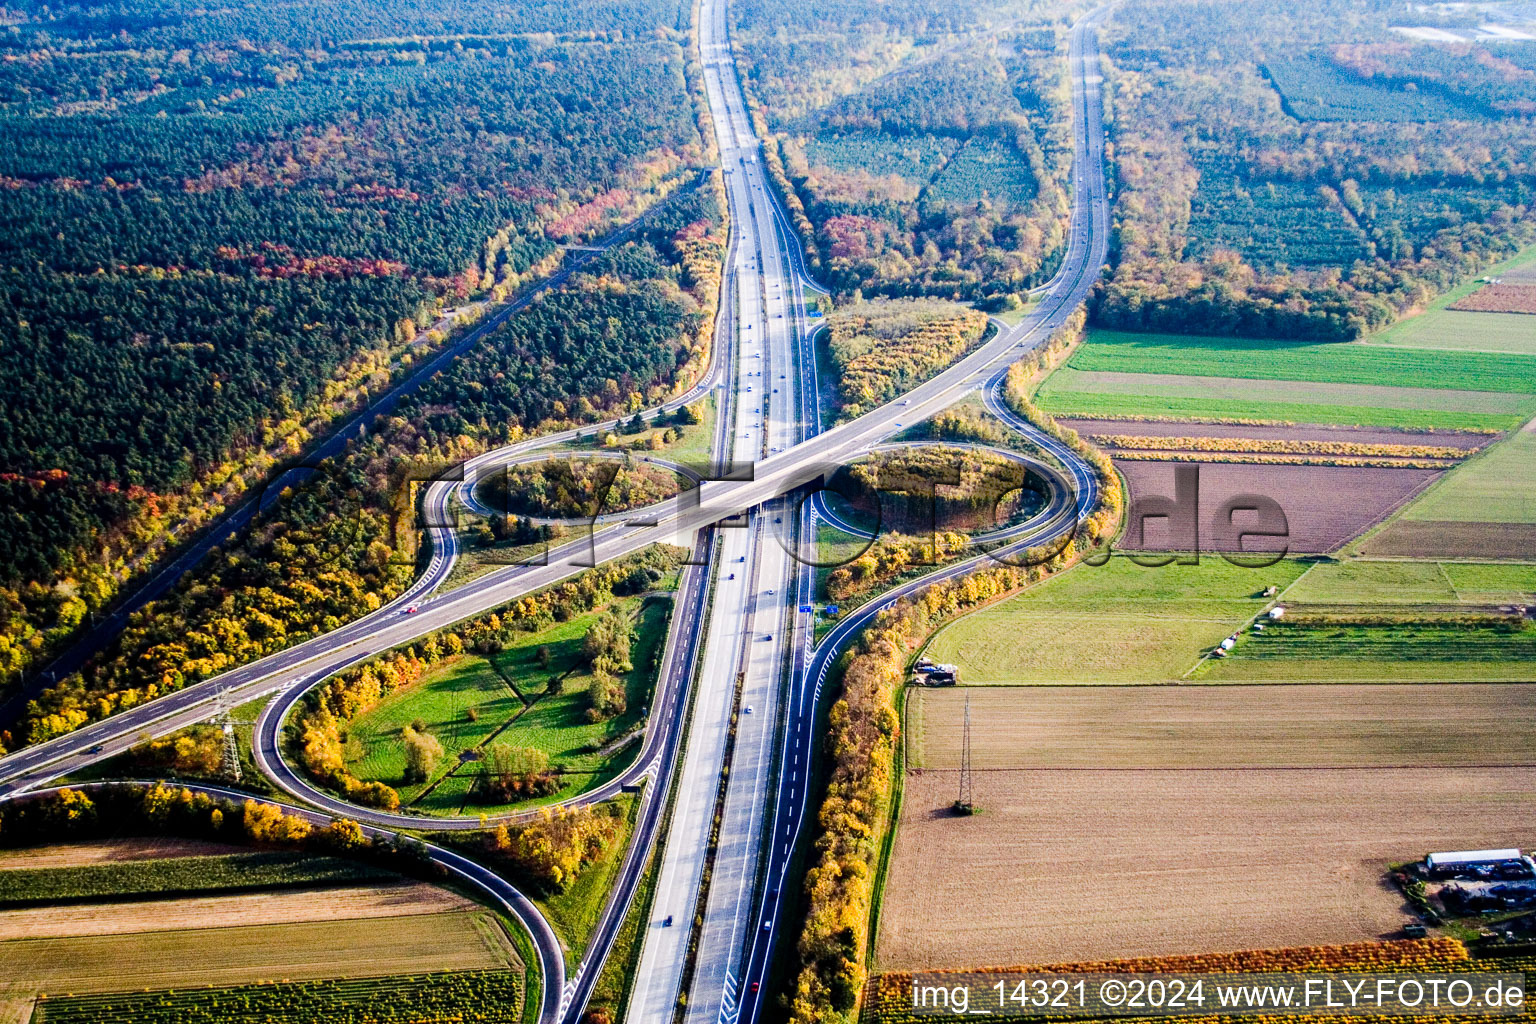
<point>1484,863</point>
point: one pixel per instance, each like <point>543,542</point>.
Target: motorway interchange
<point>739,638</point>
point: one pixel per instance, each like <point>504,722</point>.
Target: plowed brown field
<point>1500,298</point>
<point>1081,865</point>
<point>1325,506</point>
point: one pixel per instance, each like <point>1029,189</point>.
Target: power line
<point>966,801</point>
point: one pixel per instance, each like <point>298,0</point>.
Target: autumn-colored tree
<point>606,644</point>
<point>552,849</point>
<point>422,752</point>
<point>267,823</point>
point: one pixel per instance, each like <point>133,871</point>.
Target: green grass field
<point>554,723</point>
<point>1070,392</point>
<point>1498,486</point>
<point>1273,359</point>
<point>1367,582</point>
<point>1090,405</point>
<point>1464,330</point>
<point>1122,623</point>
<point>1453,330</point>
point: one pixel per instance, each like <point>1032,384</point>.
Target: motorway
<point>1087,249</point>
<point>767,792</point>
<point>740,675</point>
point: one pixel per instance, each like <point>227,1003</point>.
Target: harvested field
<point>1079,865</point>
<point>1300,432</point>
<point>1416,539</point>
<point>112,851</point>
<point>371,902</point>
<point>1499,298</point>
<point>1346,726</point>
<point>1325,506</point>
<point>246,954</point>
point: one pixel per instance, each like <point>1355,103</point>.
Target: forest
<point>925,147</point>
<point>343,542</point>
<point>1301,172</point>
<point>224,228</point>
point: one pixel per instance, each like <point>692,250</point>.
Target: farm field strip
<point>1394,582</point>
<point>1075,865</point>
<point>1451,330</point>
<point>1402,538</point>
<point>1265,446</point>
<point>1325,506</point>
<point>252,953</point>
<point>1500,298</point>
<point>1309,362</point>
<point>1117,728</point>
<point>1499,486</point>
<point>1302,433</point>
<point>182,875</point>
<point>367,902</point>
<point>490,997</point>
<point>890,994</point>
<point>1146,409</point>
<point>111,851</point>
<point>1260,392</point>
